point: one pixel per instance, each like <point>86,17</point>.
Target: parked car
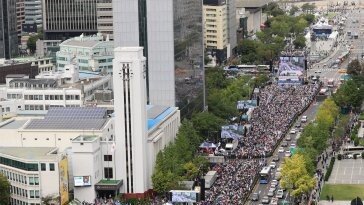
<point>272,165</point>
<point>298,125</point>
<point>281,149</point>
<point>270,193</point>
<point>265,200</point>
<point>285,143</point>
<point>304,118</point>
<point>287,153</point>
<point>280,194</point>
<point>255,196</point>
<point>293,145</point>
<point>293,131</point>
<point>275,158</point>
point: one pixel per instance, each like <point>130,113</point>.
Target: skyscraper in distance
<point>171,33</point>
<point>8,29</point>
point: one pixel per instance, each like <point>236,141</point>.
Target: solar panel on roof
<point>76,113</point>
<point>67,124</point>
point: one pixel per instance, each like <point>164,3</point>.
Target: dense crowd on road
<point>270,120</point>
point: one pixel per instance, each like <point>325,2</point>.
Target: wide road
<point>262,189</point>
<point>325,73</point>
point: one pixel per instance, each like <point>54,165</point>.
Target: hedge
<point>329,169</point>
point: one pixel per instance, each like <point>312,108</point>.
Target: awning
<point>105,184</point>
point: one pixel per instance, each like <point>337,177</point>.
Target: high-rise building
<point>232,35</point>
<point>8,29</point>
<point>63,19</point>
<point>33,12</point>
<point>104,18</point>
<point>171,33</point>
<point>20,16</point>
<point>216,28</point>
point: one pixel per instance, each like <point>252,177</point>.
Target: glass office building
<point>171,33</point>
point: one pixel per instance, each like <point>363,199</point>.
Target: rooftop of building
<point>84,41</point>
<point>30,59</point>
<point>251,3</point>
<point>50,82</point>
<point>156,114</point>
<point>30,153</point>
<point>86,138</point>
<point>4,62</point>
<point>214,2</point>
<point>70,118</point>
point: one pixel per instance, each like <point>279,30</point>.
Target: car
<point>317,71</point>
<point>298,125</point>
<point>287,153</point>
<point>255,196</point>
<point>293,131</point>
<point>279,194</point>
<point>272,187</point>
<point>270,193</point>
<point>279,169</point>
<point>292,145</point>
<point>342,70</point>
<point>274,182</point>
<point>265,200</point>
<point>301,129</point>
<point>281,149</point>
<point>275,158</point>
<point>272,165</point>
<point>288,138</point>
<point>285,143</point>
<point>277,176</point>
<point>274,201</point>
<point>304,118</point>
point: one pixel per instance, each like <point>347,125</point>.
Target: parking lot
<point>347,171</point>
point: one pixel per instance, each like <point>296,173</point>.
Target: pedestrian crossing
<point>324,69</point>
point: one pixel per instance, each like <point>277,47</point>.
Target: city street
<point>325,72</point>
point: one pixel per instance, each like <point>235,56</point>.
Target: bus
<point>264,175</point>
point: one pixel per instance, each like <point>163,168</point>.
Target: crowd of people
<point>277,109</point>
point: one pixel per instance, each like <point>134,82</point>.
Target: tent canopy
<point>208,145</point>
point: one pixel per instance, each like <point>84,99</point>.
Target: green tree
<point>31,43</point>
<point>204,122</point>
<point>308,8</point>
<point>355,67</point>
<point>299,42</point>
<point>4,190</point>
<point>164,181</point>
<point>293,10</point>
<point>310,18</point>
<point>350,94</point>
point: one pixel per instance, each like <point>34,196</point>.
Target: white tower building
<point>131,130</point>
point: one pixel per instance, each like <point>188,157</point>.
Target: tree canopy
<point>4,190</point>
<point>355,67</point>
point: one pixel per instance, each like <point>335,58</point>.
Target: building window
<point>43,167</point>
<point>36,180</point>
<point>108,172</point>
<point>51,167</point>
<point>107,158</point>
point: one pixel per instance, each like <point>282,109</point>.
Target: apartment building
<point>105,18</point>
<point>216,35</point>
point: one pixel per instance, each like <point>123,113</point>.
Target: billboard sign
<point>183,196</point>
<point>63,180</point>
<point>291,65</point>
<point>82,180</point>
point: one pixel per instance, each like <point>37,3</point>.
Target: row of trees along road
<point>179,161</point>
<point>271,40</point>
<point>350,95</point>
<point>298,171</point>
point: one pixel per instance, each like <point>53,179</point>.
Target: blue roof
<point>152,122</point>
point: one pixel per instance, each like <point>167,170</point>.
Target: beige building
<point>216,27</point>
<point>104,18</point>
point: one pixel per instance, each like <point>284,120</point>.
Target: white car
<point>304,118</point>
<point>287,153</point>
<point>272,165</point>
<point>293,131</point>
<point>274,182</point>
<point>280,194</point>
<point>281,149</point>
<point>293,145</point>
